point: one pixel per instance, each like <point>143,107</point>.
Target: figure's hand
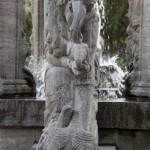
<point>58,52</point>
<point>79,68</point>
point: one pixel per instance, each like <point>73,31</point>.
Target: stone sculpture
<point>138,48</point>
<point>71,34</point>
<point>67,133</point>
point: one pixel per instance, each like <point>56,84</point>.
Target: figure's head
<point>89,5</point>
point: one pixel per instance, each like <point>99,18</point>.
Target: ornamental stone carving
<point>72,76</point>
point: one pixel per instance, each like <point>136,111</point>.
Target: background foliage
<point>115,21</point>
<point>28,23</point>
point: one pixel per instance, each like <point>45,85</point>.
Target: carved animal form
<point>72,28</point>
<point>64,136</point>
<point>75,16</point>
<point>79,12</point>
<point>79,53</point>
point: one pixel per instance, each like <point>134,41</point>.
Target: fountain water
<point>39,74</point>
<point>111,83</point>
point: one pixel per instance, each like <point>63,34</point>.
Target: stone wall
<point>125,139</point>
<point>19,138</point>
<point>11,39</point>
<point>138,54</point>
<point>12,50</point>
<point>124,124</point>
<point>21,123</point>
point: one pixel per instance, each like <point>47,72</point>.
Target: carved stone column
<point>12,48</point>
<point>138,48</point>
<point>37,37</point>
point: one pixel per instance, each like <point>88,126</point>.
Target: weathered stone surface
<point>8,38</point>
<point>66,134</point>
<point>37,37</point>
<point>113,115</point>
<point>71,31</point>
<point>124,115</point>
<point>12,47</point>
<point>125,139</point>
<point>121,123</point>
<point>138,54</point>
<point>19,138</point>
<point>15,86</point>
<point>11,39</point>
<point>15,112</point>
<point>107,148</point>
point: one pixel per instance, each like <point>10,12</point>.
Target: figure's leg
<point>59,92</point>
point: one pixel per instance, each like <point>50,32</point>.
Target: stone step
<point>124,114</point>
<point>107,148</point>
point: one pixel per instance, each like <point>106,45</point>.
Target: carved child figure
<point>71,49</point>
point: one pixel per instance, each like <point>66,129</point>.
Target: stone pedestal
<point>123,124</point>
<point>138,49</point>
<point>12,49</point>
<point>21,123</point>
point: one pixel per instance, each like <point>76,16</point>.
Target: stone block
<point>11,26</point>
<point>19,138</point>
<point>124,115</point>
<point>12,50</point>
<point>107,148</point>
<point>138,54</point>
<point>125,139</point>
<point>25,113</point>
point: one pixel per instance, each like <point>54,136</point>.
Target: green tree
<point>115,22</point>
<point>28,23</point>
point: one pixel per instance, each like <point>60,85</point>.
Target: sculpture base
<point>140,89</point>
<point>122,122</point>
<point>21,123</point>
<point>15,87</point>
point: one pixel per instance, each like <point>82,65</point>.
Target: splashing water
<point>111,75</point>
<point>38,72</point>
<point>111,79</point>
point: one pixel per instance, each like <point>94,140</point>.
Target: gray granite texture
<point>124,114</point>
<point>138,54</point>
<point>37,37</point>
<point>125,139</point>
<point>24,113</point>
<point>122,124</point>
<point>12,50</point>
<point>107,148</point>
<point>19,138</point>
<point>71,36</point>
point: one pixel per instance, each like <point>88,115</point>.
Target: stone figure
<point>71,79</point>
<point>67,133</point>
